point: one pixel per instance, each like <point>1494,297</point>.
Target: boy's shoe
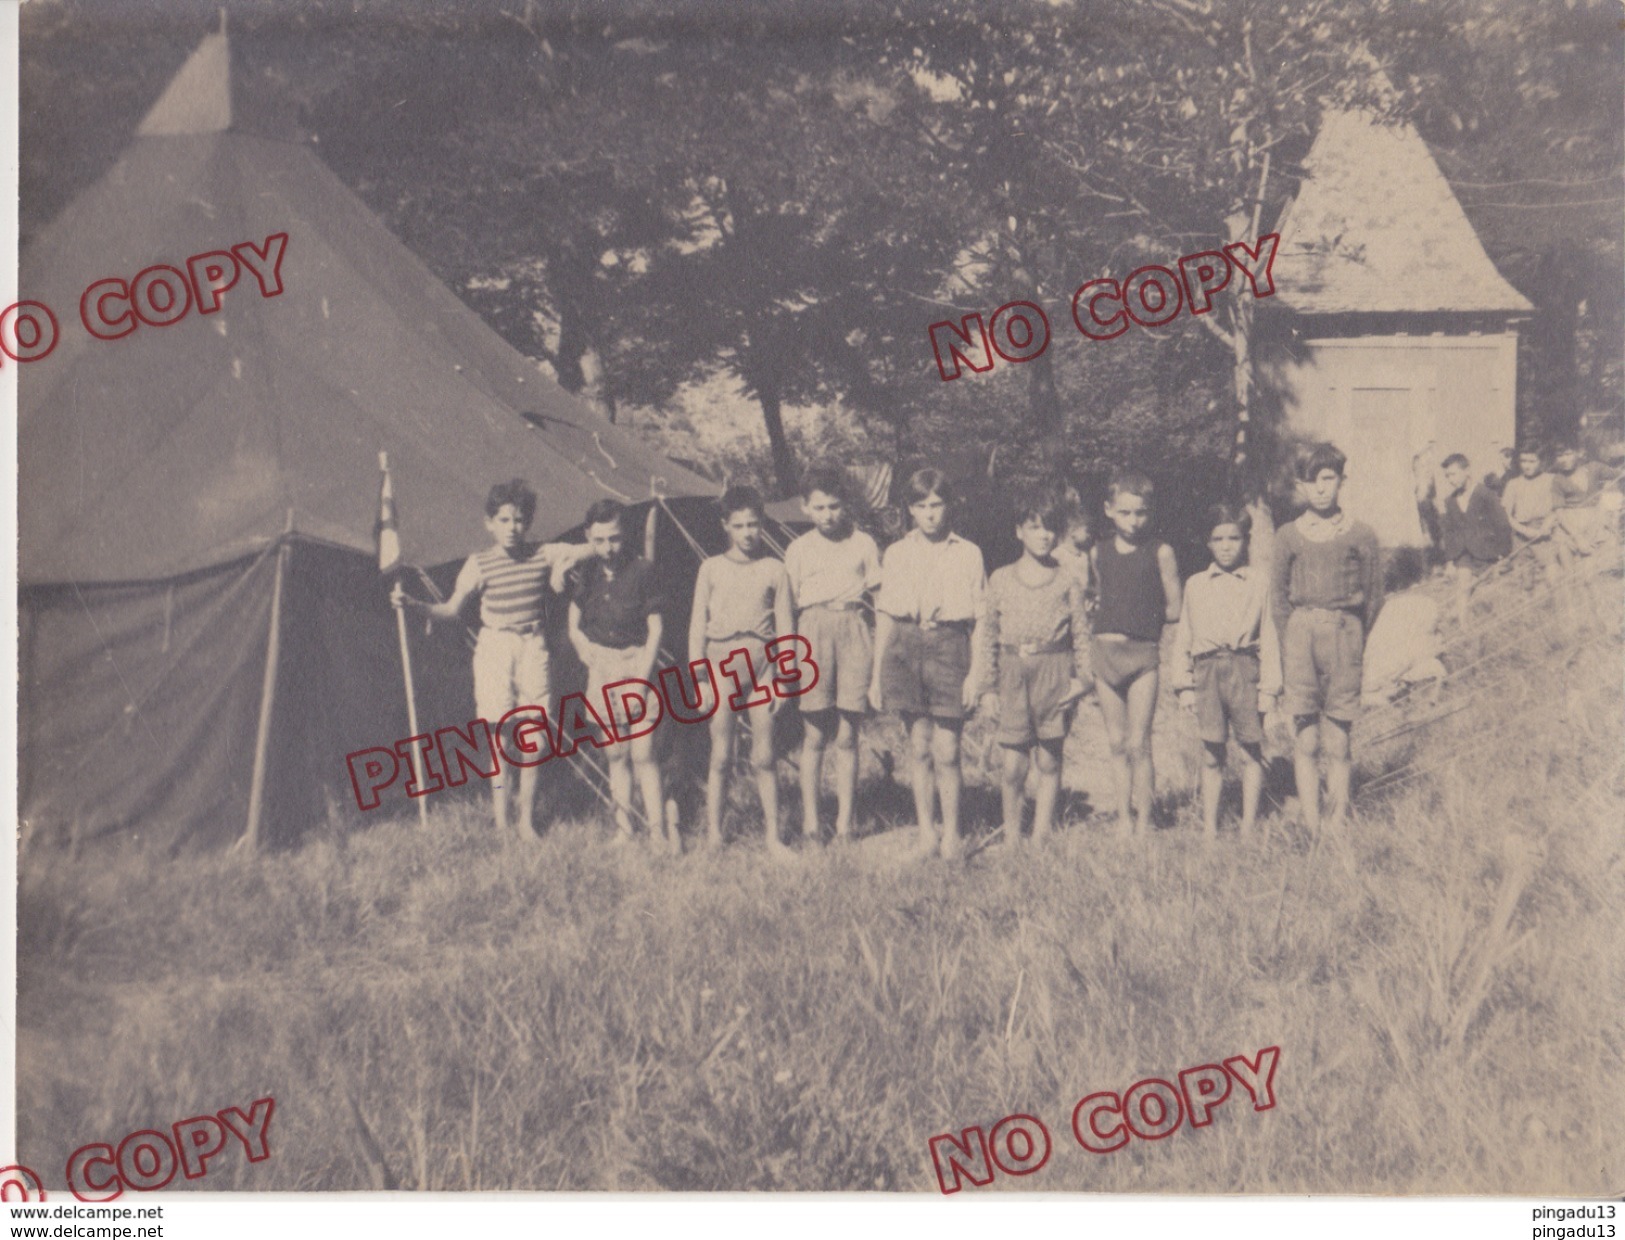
<point>953,846</point>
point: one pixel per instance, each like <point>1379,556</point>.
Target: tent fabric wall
<point>138,706</point>
<point>140,702</point>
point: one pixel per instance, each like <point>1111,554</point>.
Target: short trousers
<point>717,651</point>
<point>924,670</point>
<point>1120,661</point>
<point>1227,692</point>
<point>1031,687</point>
<point>606,665</point>
<point>510,669</point>
<point>1322,653</point>
<point>844,650</point>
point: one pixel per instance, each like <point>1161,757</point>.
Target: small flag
<point>389,539</point>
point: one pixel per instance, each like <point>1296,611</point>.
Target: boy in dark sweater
<point>1325,593</point>
<point>1473,528</point>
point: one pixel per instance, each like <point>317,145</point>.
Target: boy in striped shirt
<point>512,578</point>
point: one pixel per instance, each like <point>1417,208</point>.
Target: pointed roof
<point>1376,228</point>
<point>182,447</point>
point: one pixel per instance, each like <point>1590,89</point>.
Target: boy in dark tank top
<point>1136,584</point>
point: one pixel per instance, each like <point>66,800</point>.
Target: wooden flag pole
<point>412,714</point>
<point>406,660</point>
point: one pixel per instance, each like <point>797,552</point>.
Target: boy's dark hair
<point>1130,482</point>
<point>1455,458</point>
<point>1322,456</point>
<point>1048,510</point>
<point>829,481</point>
<point>1532,449</point>
<point>516,492</point>
<point>604,511</point>
<point>1406,566</point>
<point>740,499</point>
<point>1230,514</point>
<point>924,483</point>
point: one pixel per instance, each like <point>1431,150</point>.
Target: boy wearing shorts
<point>1136,584</point>
<point>926,616</point>
<point>831,567</point>
<point>1325,593</point>
<point>1227,666</point>
<point>615,627</point>
<point>741,602</point>
<point>1035,647</point>
<point>512,579</point>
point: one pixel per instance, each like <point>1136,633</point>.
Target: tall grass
<point>445,1010</point>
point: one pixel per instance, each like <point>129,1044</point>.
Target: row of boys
<point>1040,634</point>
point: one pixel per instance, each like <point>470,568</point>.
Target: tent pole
<point>412,713</point>
<point>273,656</point>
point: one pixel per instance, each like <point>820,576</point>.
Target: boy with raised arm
<point>511,578</point>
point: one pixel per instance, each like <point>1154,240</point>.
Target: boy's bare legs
<point>1048,759</point>
<point>619,760</point>
<point>816,726</point>
<point>1142,706</point>
<point>1213,786</point>
<point>716,775</point>
<point>1306,768</point>
<point>1114,712</point>
<point>924,779</point>
<point>846,773</point>
<point>1252,783</point>
<point>1012,790</point>
<point>1334,739</point>
<point>767,775</point>
<point>502,799</point>
<point>526,820</point>
<point>652,786</point>
<point>945,758</point>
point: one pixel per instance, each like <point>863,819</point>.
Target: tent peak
<point>213,93</point>
<point>198,98</point>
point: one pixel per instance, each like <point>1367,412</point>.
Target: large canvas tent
<point>204,630</point>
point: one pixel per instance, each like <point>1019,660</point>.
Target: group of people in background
<point>1477,523</point>
<point>923,632</point>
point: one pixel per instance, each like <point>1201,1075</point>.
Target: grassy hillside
<point>445,1010</point>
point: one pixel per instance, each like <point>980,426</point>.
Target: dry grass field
<point>445,1010</point>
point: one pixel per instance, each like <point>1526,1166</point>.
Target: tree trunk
<point>572,348</point>
<point>1043,400</point>
<point>784,461</point>
<point>1241,374</point>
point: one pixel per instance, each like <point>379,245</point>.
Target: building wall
<point>1383,399</point>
